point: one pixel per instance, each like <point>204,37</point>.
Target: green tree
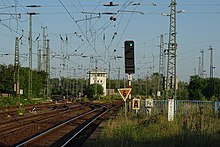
<point>94,90</point>
<point>196,87</point>
<point>212,88</point>
<point>39,83</point>
<point>182,92</point>
<point>55,86</point>
<point>6,78</point>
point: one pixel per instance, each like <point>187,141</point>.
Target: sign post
<point>136,104</point>
<point>149,103</point>
<point>124,92</point>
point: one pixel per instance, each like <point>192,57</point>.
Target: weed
<point>196,127</point>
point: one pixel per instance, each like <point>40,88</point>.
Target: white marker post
<point>170,109</point>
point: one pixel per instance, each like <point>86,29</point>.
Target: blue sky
<point>88,36</point>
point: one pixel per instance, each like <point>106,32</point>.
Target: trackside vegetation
<point>196,89</point>
<point>10,101</point>
<point>195,128</point>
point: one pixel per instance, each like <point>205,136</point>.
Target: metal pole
<point>125,109</point>
<point>39,56</point>
<point>109,81</point>
<point>48,68</point>
<point>30,59</point>
<point>211,73</point>
<point>172,47</point>
<point>199,70</point>
<point>211,61</point>
<point>129,83</point>
<point>44,48</point>
<point>95,77</point>
<point>16,68</point>
<point>161,64</point>
<point>119,77</point>
<point>202,64</point>
<point>129,86</point>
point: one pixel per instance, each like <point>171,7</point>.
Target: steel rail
<point>66,143</point>
<point>28,119</point>
<point>53,128</point>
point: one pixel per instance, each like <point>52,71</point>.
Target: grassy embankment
<point>196,127</point>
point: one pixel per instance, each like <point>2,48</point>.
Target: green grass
<point>11,101</point>
<point>194,128</point>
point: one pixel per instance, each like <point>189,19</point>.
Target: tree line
<point>196,89</point>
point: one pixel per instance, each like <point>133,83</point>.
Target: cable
<point>78,27</point>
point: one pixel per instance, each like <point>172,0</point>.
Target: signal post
<point>129,64</point>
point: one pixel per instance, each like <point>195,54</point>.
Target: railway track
<point>12,125</point>
<point>62,134</point>
<point>11,113</point>
<point>62,129</point>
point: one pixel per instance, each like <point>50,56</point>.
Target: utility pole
<point>16,69</point>
<point>161,59</point>
<point>30,58</point>
<point>194,71</point>
<point>161,64</point>
<point>172,47</point>
<point>211,84</point>
<point>38,56</point>
<point>44,48</point>
<point>30,53</point>
<point>96,77</point>
<point>146,86</point>
<point>119,77</point>
<point>75,83</point>
<point>199,68</point>
<point>211,61</point>
<point>202,64</point>
<point>109,81</point>
<point>48,68</point>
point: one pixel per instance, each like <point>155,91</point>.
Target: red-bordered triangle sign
<point>124,92</point>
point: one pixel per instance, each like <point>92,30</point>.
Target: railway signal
<point>129,57</point>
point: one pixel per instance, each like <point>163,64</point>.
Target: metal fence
<point>181,106</point>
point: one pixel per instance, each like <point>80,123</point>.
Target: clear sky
<point>88,34</point>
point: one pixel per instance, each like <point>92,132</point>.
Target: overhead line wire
<point>78,26</point>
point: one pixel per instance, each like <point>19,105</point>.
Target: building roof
<point>96,72</point>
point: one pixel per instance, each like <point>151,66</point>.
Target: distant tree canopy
<point>182,92</point>
<point>203,88</point>
<point>197,89</point>
<point>7,80</point>
<point>94,90</point>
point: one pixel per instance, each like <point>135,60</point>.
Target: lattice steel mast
<point>39,68</point>
<point>30,58</point>
<point>161,60</point>
<point>44,48</point>
<point>161,66</point>
<point>172,47</point>
<point>48,68</point>
<point>16,68</point>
